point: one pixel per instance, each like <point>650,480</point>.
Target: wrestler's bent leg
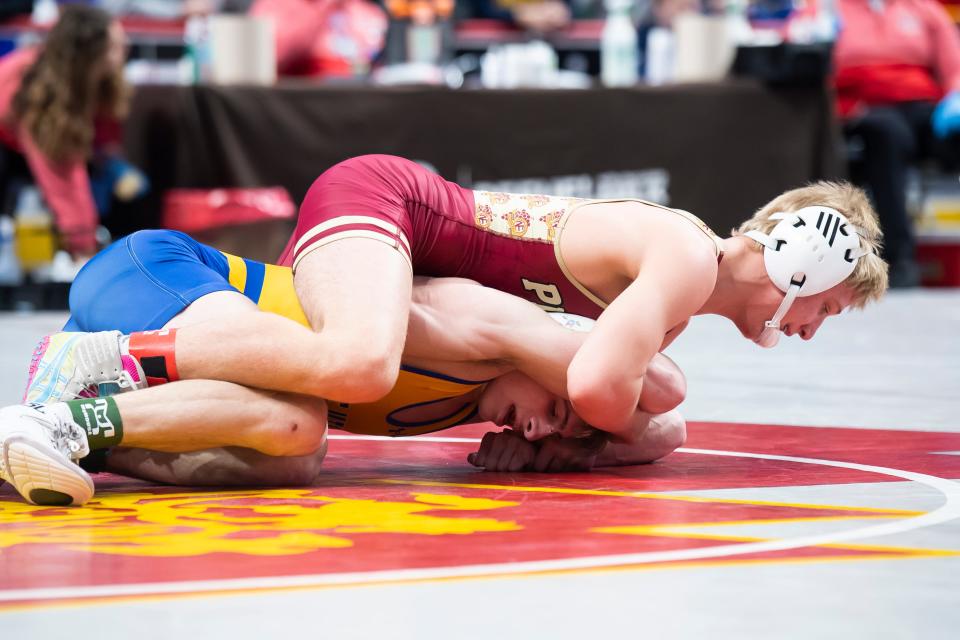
<point>202,414</point>
<point>356,293</point>
<point>229,466</point>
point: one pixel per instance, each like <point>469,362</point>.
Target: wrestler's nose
<point>537,429</point>
<point>807,331</point>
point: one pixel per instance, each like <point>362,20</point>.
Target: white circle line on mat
<point>949,510</point>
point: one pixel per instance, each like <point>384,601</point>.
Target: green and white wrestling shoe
<point>72,365</point>
<point>39,447</point>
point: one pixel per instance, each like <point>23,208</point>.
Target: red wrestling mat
<point>412,509</point>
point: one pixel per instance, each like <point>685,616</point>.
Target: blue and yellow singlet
<point>144,280</point>
<point>271,288</point>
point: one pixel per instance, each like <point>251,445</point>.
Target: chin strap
<point>771,328</point>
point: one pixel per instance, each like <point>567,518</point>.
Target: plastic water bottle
<point>10,273</point>
<point>661,56</point>
<point>619,58</point>
<point>814,22</point>
<point>35,242</point>
<point>196,38</point>
<point>739,30</point>
<point>827,22</point>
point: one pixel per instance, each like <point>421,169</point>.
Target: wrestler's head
<point>820,247</point>
<point>514,400</point>
<point>805,315</point>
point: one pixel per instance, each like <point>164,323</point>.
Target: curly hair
<point>62,95</point>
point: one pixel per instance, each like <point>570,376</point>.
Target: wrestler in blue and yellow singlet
<point>142,281</point>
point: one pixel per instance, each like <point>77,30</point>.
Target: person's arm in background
<point>66,189</point>
<point>945,40</point>
<point>298,24</point>
<point>112,175</point>
<point>533,15</point>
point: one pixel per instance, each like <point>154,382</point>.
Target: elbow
<point>674,429</point>
<point>367,375</point>
<point>600,403</point>
<point>671,392</point>
<point>665,434</point>
<point>677,389</point>
<point>368,379</point>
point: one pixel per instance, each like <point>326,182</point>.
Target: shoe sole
<point>42,477</point>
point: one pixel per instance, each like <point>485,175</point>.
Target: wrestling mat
<point>389,511</point>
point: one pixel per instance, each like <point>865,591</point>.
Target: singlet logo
<point>548,294</point>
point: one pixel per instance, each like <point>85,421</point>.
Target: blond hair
<point>869,277</point>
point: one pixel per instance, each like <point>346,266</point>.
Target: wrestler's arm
<point>508,450</point>
<point>608,373</point>
<point>652,437</point>
<point>453,319</point>
<point>661,435</point>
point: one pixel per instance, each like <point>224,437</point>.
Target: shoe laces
<point>67,436</point>
<point>116,373</point>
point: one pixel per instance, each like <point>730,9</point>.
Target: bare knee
<point>296,426</point>
<point>375,374</point>
<point>366,372</point>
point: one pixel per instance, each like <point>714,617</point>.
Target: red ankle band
<point>155,352</point>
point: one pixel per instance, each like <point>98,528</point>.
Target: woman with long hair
<point>58,103</point>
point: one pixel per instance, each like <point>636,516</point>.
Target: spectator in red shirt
<point>323,38</point>
<point>898,91</point>
<point>58,103</point>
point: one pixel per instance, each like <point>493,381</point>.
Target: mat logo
<point>251,523</point>
<point>95,418</point>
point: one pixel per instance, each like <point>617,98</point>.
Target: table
<point>719,150</point>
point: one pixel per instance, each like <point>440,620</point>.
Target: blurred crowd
<point>895,74</point>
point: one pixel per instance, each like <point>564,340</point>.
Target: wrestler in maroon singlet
<point>505,241</point>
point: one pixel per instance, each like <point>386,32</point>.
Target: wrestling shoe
<point>68,365</point>
<point>38,450</point>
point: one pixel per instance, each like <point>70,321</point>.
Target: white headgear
<point>808,252</point>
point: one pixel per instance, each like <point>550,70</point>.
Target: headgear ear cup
<point>808,252</point>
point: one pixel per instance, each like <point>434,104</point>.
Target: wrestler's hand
<point>504,450</point>
<point>558,454</point>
